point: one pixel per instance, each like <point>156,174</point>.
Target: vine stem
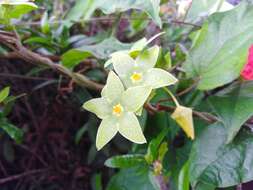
<point>185,91</point>
<point>202,115</point>
<point>172,96</point>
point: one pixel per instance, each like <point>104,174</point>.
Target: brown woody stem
<point>11,41</point>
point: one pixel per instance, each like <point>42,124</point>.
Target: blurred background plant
<point>53,59</point>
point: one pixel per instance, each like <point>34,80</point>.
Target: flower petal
<point>139,111</point>
<point>98,106</point>
<point>134,97</point>
<point>113,88</point>
<point>158,78</point>
<point>106,131</point>
<point>183,116</point>
<point>148,58</point>
<point>122,63</point>
<point>130,128</point>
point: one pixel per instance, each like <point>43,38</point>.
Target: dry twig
<point>16,177</point>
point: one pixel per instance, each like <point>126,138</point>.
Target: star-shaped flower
<point>116,108</point>
<point>141,71</point>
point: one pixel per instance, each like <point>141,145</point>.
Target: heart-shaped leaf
<point>85,9</point>
<point>14,9</point>
<point>234,108</point>
<point>219,55</point>
<point>100,50</point>
<point>215,164</point>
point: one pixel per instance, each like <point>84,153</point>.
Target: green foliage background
<point>206,52</point>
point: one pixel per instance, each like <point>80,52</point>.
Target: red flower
<point>247,72</point>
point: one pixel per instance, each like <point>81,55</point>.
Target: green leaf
<point>183,178</point>
<point>130,128</point>
<point>96,182</point>
<point>125,161</point>
<point>215,164</point>
<point>73,57</point>
<point>134,97</point>
<point>44,23</point>
<point>168,62</point>
<point>4,94</point>
<point>158,78</point>
<point>220,56</point>
<point>106,131</point>
<point>153,147</point>
<point>39,40</point>
<point>163,149</point>
<point>92,153</point>
<point>233,109</point>
<point>140,46</point>
<point>100,50</point>
<point>77,11</point>
<point>14,132</point>
<point>99,106</point>
<point>138,25</point>
<point>15,9</point>
<point>85,9</point>
<point>131,179</point>
<point>80,133</point>
<point>203,8</point>
<point>205,186</point>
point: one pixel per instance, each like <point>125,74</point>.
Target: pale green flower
<point>141,71</point>
<point>137,47</point>
<point>116,108</point>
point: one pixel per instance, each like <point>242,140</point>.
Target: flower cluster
<point>247,72</point>
<point>125,93</point>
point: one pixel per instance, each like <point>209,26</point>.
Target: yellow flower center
<point>135,77</point>
<point>117,110</point>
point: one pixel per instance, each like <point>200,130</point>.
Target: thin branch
<point>183,23</point>
<point>22,52</point>
<point>202,115</point>
<point>110,18</point>
<point>14,55</point>
<point>16,177</point>
<point>8,75</point>
<point>185,91</point>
